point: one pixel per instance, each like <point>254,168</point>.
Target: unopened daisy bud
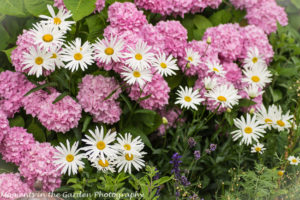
<point>188,65</point>
<point>208,40</point>
<point>228,110</point>
<point>252,110</point>
<point>80,169</point>
<point>280,173</point>
<point>165,121</point>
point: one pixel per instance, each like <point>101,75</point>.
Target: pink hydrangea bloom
<point>158,89</point>
<point>16,144</point>
<point>61,116</point>
<point>172,116</point>
<point>38,165</point>
<point>244,3</point>
<point>175,37</point>
<point>4,125</point>
<point>13,86</point>
<point>92,93</point>
<point>59,4</point>
<point>126,16</point>
<point>266,14</point>
<point>156,6</point>
<point>233,74</point>
<point>153,37</point>
<point>254,36</point>
<point>12,186</point>
<point>227,40</point>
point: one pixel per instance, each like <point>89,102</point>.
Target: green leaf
<point>12,7</point>
<point>246,103</point>
<point>37,7</point>
<point>220,17</point>
<point>4,38</point>
<point>60,97</point>
<point>144,98</point>
<point>17,121</point>
<point>80,8</point>
<point>276,94</point>
<point>8,52</point>
<point>296,3</point>
<point>127,102</point>
<point>96,25</point>
<point>174,81</point>
<point>37,131</point>
<point>162,180</point>
<point>86,122</point>
<point>40,87</point>
<point>202,23</point>
<point>72,180</point>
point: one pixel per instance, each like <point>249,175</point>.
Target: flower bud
<point>165,121</point>
<point>208,40</point>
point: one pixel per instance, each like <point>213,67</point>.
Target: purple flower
<point>213,147</point>
<point>208,151</point>
<point>191,142</point>
<point>184,181</point>
<point>176,162</point>
<point>197,155</point>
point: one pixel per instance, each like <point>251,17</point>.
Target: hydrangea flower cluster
<point>4,125</point>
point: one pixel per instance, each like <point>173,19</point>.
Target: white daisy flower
<point>216,68</point>
<point>105,166</point>
<point>225,95</point>
<point>165,66</point>
<point>107,51</point>
<point>258,148</point>
<point>99,145</point>
<point>249,129</point>
<point>192,57</point>
<point>127,145</point>
<point>132,76</point>
<point>57,57</point>
<point>258,76</point>
<point>253,91</point>
<point>37,60</point>
<point>58,20</point>
<point>47,36</point>
<point>139,58</point>
<point>254,59</point>
<point>294,160</point>
<point>125,161</point>
<point>68,158</point>
<point>210,83</point>
<point>265,116</point>
<point>77,55</point>
<point>281,121</point>
<point>187,97</point>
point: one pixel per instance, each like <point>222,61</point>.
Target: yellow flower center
<point>109,51</point>
<point>78,56</point>
<point>255,79</point>
<point>54,55</point>
<point>103,164</point>
<point>222,98</point>
<point>69,157</point>
<point>215,69</point>
<point>128,157</point>
<point>248,130</point>
<point>294,160</point>
<point>280,173</point>
<point>39,60</point>
<point>138,56</point>
<point>136,74</point>
<point>190,59</point>
<point>254,60</point>
<point>268,121</point>
<point>57,20</point>
<point>187,99</point>
<point>101,145</point>
<point>163,65</point>
<point>280,123</point>
<point>48,38</point>
<point>258,149</point>
<point>127,147</point>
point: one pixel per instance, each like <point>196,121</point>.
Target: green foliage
<point>80,8</point>
<point>37,7</point>
<point>14,8</point>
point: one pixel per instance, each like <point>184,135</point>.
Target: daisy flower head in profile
<point>165,65</point>
<point>266,116</point>
<point>249,130</point>
<point>139,57</point>
<point>100,144</point>
<point>282,121</point>
<point>105,166</point>
<point>68,159</point>
<point>216,68</point>
<point>188,98</point>
<point>210,83</point>
<point>58,20</point>
<point>253,91</point>
<point>77,55</point>
<point>47,36</point>
<point>128,145</point>
<point>57,57</point>
<point>294,160</point>
<point>224,95</point>
<point>126,161</point>
<point>107,51</point>
<point>37,60</point>
<point>132,76</point>
<point>258,148</point>
<point>254,59</point>
<point>192,57</point>
<point>259,76</point>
